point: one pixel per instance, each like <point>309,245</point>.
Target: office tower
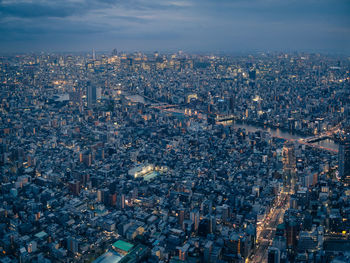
<point>91,94</point>
<point>344,156</point>
<point>252,77</point>
<point>181,217</point>
<point>291,232</point>
<point>120,201</point>
<point>74,187</point>
<point>252,74</point>
<point>183,252</point>
<point>289,165</point>
<point>98,93</point>
<point>289,160</point>
<point>194,216</point>
<point>225,212</point>
<point>203,228</point>
<point>212,224</point>
<point>273,255</point>
<point>72,244</point>
<point>86,158</point>
<point>232,104</point>
<point>207,250</point>
<point>105,196</point>
<point>113,199</point>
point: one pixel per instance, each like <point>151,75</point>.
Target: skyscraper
<point>273,255</point>
<point>181,217</point>
<point>74,187</point>
<point>289,160</point>
<point>289,164</point>
<point>91,94</point>
<point>344,156</point>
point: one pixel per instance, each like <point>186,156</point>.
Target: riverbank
<point>282,133</point>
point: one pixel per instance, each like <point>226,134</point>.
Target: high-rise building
<point>232,104</point>
<point>207,250</point>
<point>344,156</point>
<point>252,74</point>
<point>86,158</point>
<point>289,165</point>
<point>273,255</point>
<point>90,94</point>
<point>194,216</point>
<point>289,160</point>
<point>74,187</point>
<point>181,217</point>
<point>291,232</point>
<point>72,244</point>
<point>120,201</point>
<point>115,52</point>
<point>93,93</point>
<point>113,199</point>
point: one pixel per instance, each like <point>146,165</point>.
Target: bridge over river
<point>321,141</point>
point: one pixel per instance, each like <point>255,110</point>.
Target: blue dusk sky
<point>171,25</point>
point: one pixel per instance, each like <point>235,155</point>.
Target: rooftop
<point>122,245</point>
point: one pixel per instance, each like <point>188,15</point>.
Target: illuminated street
<point>268,229</point>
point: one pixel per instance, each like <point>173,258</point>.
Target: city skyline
<point>133,157</point>
<point>175,131</point>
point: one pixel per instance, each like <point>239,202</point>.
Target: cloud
<point>182,24</point>
<point>26,9</point>
<point>66,8</point>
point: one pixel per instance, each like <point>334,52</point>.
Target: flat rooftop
<point>109,257</point>
<point>122,245</point>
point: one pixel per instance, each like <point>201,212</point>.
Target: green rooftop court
<point>122,245</point>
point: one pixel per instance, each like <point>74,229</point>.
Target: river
<point>275,132</point>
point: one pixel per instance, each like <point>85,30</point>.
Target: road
<point>268,229</point>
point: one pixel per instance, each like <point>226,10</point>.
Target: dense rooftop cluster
<point>121,158</point>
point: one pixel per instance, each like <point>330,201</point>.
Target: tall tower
<point>289,165</point>
<point>344,156</point>
<point>274,255</point>
<point>93,54</point>
<point>91,94</point>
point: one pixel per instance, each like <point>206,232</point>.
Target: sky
<point>172,25</point>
